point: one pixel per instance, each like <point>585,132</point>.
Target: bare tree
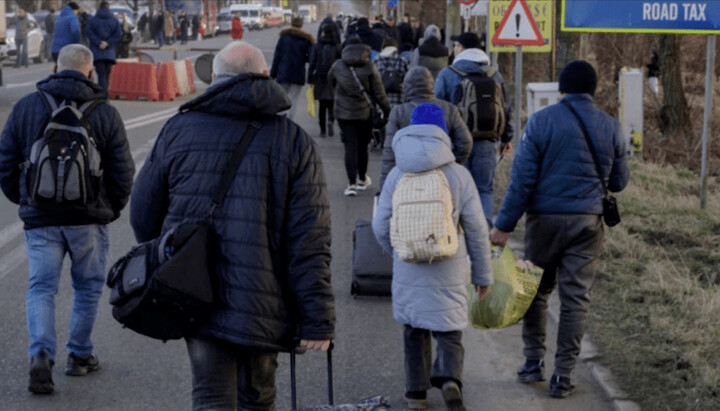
<point>675,113</point>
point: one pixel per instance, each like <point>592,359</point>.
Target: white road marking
<point>18,85</point>
<point>10,261</point>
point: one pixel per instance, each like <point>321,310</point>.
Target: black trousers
<point>356,136</point>
<point>102,69</point>
<point>326,113</point>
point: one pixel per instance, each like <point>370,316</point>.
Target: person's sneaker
<point>362,185</point>
<point>531,371</point>
<point>77,367</point>
<point>351,190</point>
<point>41,373</point>
<point>452,396</point>
<point>560,387</point>
<point>416,400</point>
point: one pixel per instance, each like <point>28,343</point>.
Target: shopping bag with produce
<point>310,96</point>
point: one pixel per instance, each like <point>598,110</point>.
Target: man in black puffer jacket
<point>274,228</point>
<point>53,229</point>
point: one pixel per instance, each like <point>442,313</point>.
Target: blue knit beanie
<point>429,113</point>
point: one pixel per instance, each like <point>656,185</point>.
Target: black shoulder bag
<point>164,288</point>
<point>377,116</point>
<point>611,215</point>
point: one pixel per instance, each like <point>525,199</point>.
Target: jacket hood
<point>66,11</point>
<point>389,51</point>
<point>104,14</point>
<point>71,84</point>
<point>294,31</point>
<point>356,54</point>
<point>419,84</point>
<point>242,95</point>
<point>432,31</point>
<point>473,55</point>
<point>421,147</point>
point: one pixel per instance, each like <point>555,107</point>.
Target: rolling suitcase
<point>371,265</point>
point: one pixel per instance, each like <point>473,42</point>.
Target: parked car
<point>224,22</point>
<point>36,40</point>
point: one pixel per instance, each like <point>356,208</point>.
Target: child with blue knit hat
<point>430,298</point>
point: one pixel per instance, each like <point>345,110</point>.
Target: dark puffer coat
<point>28,119</point>
<point>350,104</point>
<point>322,57</point>
<point>291,54</point>
<point>103,26</point>
<point>274,225</point>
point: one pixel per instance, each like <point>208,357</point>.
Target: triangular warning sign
<point>518,27</point>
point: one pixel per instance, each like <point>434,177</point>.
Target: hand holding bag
<point>377,116</point>
<point>611,214</point>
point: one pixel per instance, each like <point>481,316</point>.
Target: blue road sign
<point>664,16</point>
<point>391,4</point>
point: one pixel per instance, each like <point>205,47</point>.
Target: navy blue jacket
<point>25,124</point>
<point>291,54</point>
<point>553,171</point>
<point>103,26</point>
<point>274,225</point>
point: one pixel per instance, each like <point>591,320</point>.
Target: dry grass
<point>656,301</point>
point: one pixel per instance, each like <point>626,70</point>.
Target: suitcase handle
<point>293,389</point>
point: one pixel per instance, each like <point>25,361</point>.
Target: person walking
<point>273,228</point>
<point>430,298</point>
<point>158,27</point>
<point>168,27</point>
<point>418,89</point>
<point>352,110</point>
<point>555,182</point>
<point>67,29</point>
<point>470,59</point>
<point>184,26</point>
<point>53,229</point>
<point>83,17</point>
<point>49,31</point>
<point>431,54</point>
<point>392,69</point>
<point>21,43</point>
<point>143,24</point>
<point>322,56</point>
<point>104,33</point>
<point>291,54</point>
<point>237,27</point>
<point>329,20</point>
<point>123,47</point>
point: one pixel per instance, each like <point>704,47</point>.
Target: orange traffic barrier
<point>191,76</point>
<point>133,81</point>
<point>167,81</point>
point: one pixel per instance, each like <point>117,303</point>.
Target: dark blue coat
<point>67,30</point>
<point>24,125</point>
<point>291,54</point>
<point>553,171</point>
<point>274,225</point>
<point>103,26</point>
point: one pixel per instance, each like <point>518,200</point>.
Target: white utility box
<point>630,108</point>
<point>541,95</point>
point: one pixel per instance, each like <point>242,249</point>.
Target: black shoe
<point>41,373</point>
<point>322,134</point>
<point>531,371</point>
<point>452,396</point>
<point>331,131</point>
<point>77,367</point>
<point>560,387</point>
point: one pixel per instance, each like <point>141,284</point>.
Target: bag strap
<point>596,160</point>
<point>232,165</point>
<point>293,389</point>
<point>362,89</point>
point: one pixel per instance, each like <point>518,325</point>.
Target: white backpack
<point>422,226</point>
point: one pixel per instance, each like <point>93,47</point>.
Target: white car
<point>36,41</point>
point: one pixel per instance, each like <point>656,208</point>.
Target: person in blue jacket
<point>470,58</point>
<point>288,65</point>
<point>104,33</point>
<point>67,29</point>
<point>555,181</point>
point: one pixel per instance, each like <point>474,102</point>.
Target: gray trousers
<point>293,91</point>
<point>567,247</point>
<point>421,373</point>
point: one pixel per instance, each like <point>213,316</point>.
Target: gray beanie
<point>432,31</point>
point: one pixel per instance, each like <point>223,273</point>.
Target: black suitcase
<point>371,265</point>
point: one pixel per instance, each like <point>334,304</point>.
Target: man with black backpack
<point>480,93</point>
<point>65,159</point>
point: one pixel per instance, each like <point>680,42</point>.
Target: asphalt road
<point>142,374</point>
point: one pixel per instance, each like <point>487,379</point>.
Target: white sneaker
<point>351,190</point>
<point>364,184</point>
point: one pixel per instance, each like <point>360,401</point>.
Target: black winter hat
<point>578,77</point>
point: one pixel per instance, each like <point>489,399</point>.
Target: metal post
<point>518,89</point>
<point>709,74</point>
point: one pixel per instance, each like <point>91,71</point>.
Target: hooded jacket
<point>553,171</point>
<point>67,29</point>
<point>350,104</point>
<point>322,56</point>
<point>472,61</point>
<point>273,266</point>
<point>418,86</point>
<point>26,123</point>
<point>103,26</point>
<point>291,54</point>
<point>431,54</point>
<point>433,296</point>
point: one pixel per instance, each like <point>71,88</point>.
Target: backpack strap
<point>457,70</point>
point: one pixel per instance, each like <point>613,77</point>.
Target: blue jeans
<point>21,47</point>
<point>481,164</point>
<point>227,376</point>
<point>87,246</point>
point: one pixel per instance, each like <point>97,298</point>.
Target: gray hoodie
<point>433,296</point>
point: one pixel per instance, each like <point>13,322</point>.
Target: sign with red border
<point>518,27</point>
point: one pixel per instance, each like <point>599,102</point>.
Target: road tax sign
<point>637,16</point>
<point>541,12</point>
<point>518,27</point>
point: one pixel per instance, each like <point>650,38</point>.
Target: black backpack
<point>392,81</point>
<point>64,164</point>
<point>481,104</point>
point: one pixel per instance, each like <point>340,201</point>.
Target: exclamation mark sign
<point>517,24</point>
